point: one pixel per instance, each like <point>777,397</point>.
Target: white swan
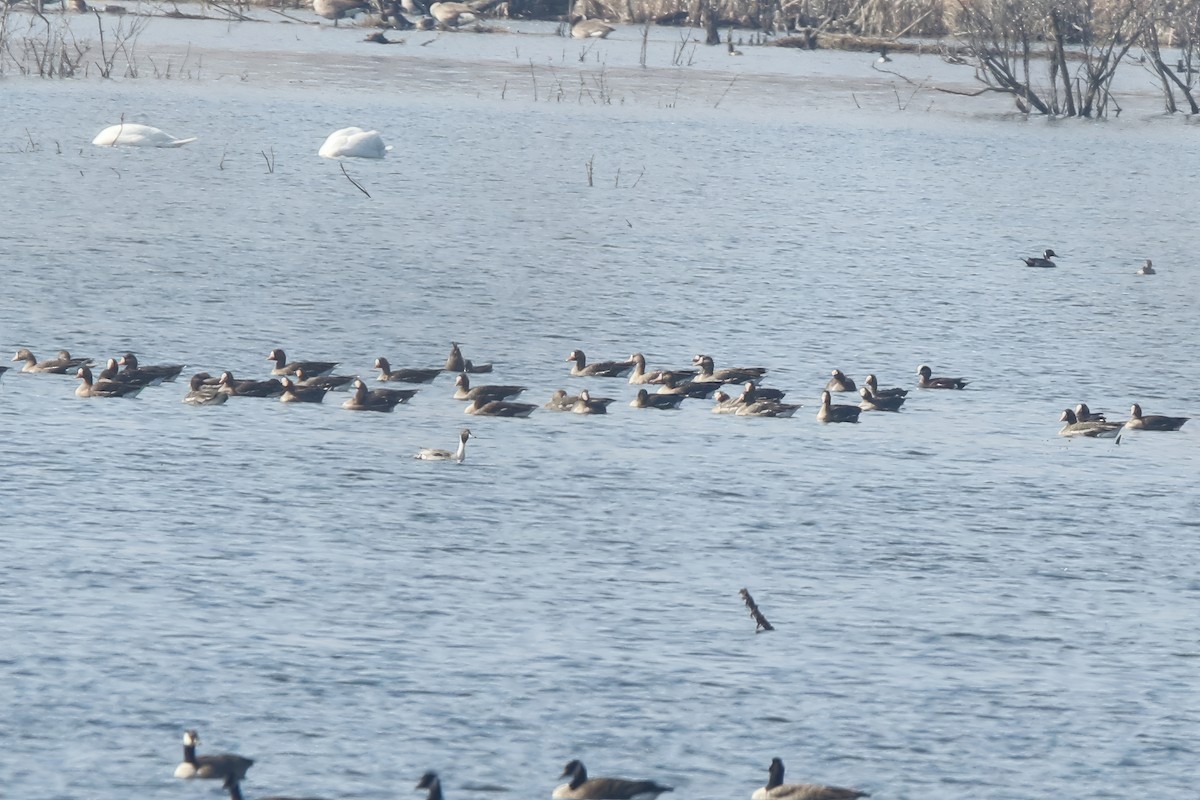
<point>130,134</point>
<point>354,143</point>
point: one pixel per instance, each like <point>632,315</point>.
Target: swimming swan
<point>354,143</point>
<point>129,134</point>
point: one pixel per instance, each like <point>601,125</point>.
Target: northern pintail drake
<point>641,376</point>
<point>591,29</point>
<point>326,382</point>
<point>873,384</point>
<point>580,787</point>
<point>1146,269</point>
<point>405,375</point>
<point>727,375</point>
<point>354,142</point>
<point>499,408</point>
<point>602,369</point>
<point>1085,414</point>
<point>776,789</point>
<point>456,363</point>
<point>925,380</point>
<point>873,402</point>
<point>433,454</point>
<point>129,134</point>
<point>586,404</point>
<point>89,388</point>
<point>464,391</point>
<point>689,388</point>
<point>840,383</point>
<point>248,387</point>
<point>1152,422</point>
<point>223,766</point>
<point>284,367</point>
<point>376,399</point>
<point>1042,261</point>
<point>301,394</point>
<point>1073,426</point>
<point>58,366</point>
<point>339,9</point>
<point>831,412</point>
<point>453,14</point>
<point>660,401</point>
<point>158,373</point>
<point>201,393</point>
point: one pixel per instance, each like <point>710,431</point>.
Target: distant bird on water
<point>925,380</point>
<point>776,789</point>
<point>433,454</point>
<point>1147,268</point>
<point>354,142</point>
<point>1042,261</point>
<point>581,787</point>
<point>129,134</point>
<point>591,29</point>
<point>453,14</point>
<point>222,766</point>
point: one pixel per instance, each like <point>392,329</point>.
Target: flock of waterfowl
<point>310,382</point>
<point>231,770</point>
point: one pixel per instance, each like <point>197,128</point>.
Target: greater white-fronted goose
<point>301,394</point>
<point>561,401</point>
<point>339,9</point>
<point>453,14</point>
<point>600,369</point>
<point>433,454</point>
<point>499,408</point>
<point>591,29</point>
<point>327,382</point>
<point>925,380</point>
<point>1152,422</point>
<point>405,375</point>
<point>776,789</point>
<point>456,363</point>
<point>163,373</point>
<point>840,383</point>
<point>201,393</point>
<point>249,388</point>
<point>586,404</point>
<point>873,402</point>
<point>752,403</point>
<point>641,376</point>
<point>873,384</point>
<point>57,366</point>
<point>222,766</point>
<point>376,399</point>
<point>112,372</point>
<point>725,404</point>
<point>689,388</point>
<point>580,787</point>
<point>662,402</point>
<point>727,375</point>
<point>464,391</point>
<point>284,367</point>
<point>89,388</point>
<point>1073,426</point>
<point>1085,414</point>
<point>830,412</point>
<point>1043,261</point>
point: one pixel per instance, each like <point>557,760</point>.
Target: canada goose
<point>499,408</point>
<point>1095,428</point>
<point>925,380</point>
<point>249,388</point>
<point>58,366</point>
<point>376,399</point>
<point>456,363</point>
<point>433,454</point>
<point>203,394</point>
<point>591,29</point>
<point>161,373</point>
<point>830,412</point>
<point>431,782</point>
<point>603,369</point>
<point>339,9</point>
<point>731,50</point>
<point>561,401</point>
<point>663,402</point>
<point>727,375</point>
<point>586,404</point>
<point>223,766</point>
<point>873,384</point>
<point>129,134</point>
<point>883,56</point>
<point>581,788</point>
<point>453,14</point>
<point>840,383</point>
<point>301,394</point>
<point>88,388</point>
<point>1043,260</point>
<point>1153,422</point>
<point>871,402</point>
<point>282,367</point>
<point>3,369</point>
<point>235,792</point>
<point>353,142</point>
<point>1146,269</point>
<point>464,391</point>
<point>639,374</point>
<point>405,375</point>
<point>1085,414</point>
<point>111,372</point>
<point>327,382</point>
<point>776,789</point>
<point>689,388</point>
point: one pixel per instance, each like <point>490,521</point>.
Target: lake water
<point>965,603</point>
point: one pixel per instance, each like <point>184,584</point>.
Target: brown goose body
<point>840,383</point>
<point>830,412</point>
<point>727,375</point>
<point>249,388</point>
<point>405,374</point>
<point>925,380</point>
<point>663,402</point>
<point>776,789</point>
<point>598,369</point>
<point>90,388</point>
<point>285,367</point>
<point>57,366</point>
<point>581,787</point>
<point>1152,422</point>
<point>464,391</point>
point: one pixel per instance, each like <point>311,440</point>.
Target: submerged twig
<point>760,621</point>
<point>357,185</point>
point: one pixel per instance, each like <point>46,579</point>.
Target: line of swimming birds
<point>310,381</point>
<point>231,769</point>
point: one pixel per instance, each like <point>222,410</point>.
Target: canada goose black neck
<point>431,782</point>
<point>578,773</point>
<point>235,789</point>
<point>775,774</point>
